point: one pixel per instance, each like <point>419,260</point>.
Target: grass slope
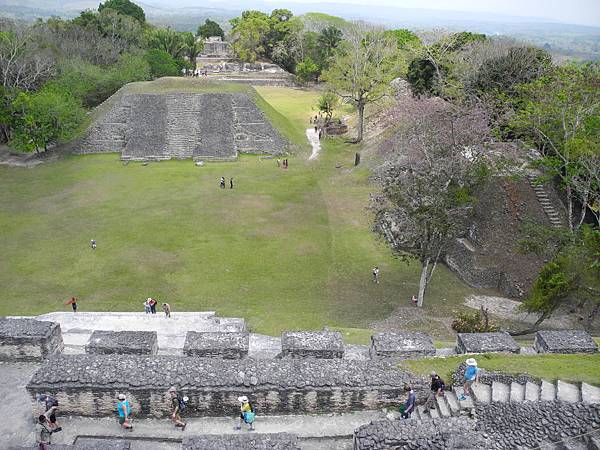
<point>284,249</point>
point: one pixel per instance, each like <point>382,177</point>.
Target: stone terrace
<point>217,344</point>
<point>402,345</point>
<point>316,344</point>
<point>23,339</point>
<point>215,126</point>
<point>122,342</point>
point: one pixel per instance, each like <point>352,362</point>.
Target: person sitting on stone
<point>246,413</point>
<point>124,410</point>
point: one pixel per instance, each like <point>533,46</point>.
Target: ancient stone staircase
<point>542,196</point>
<point>110,133</point>
<point>251,131</point>
<point>183,114</point>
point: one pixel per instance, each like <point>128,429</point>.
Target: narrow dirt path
<point>313,139</point>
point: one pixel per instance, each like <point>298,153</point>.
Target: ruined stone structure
<point>122,342</point>
<point>564,341</point>
<point>217,345</point>
<point>215,47</point>
<point>28,339</point>
<point>214,126</point>
<point>255,441</point>
<point>486,342</point>
<point>401,345</point>
<point>315,344</point>
<point>87,385</point>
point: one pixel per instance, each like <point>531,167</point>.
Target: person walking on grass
<point>124,410</point>
<point>93,244</point>
<point>231,183</point>
<point>178,405</point>
<point>376,274</point>
<point>410,403</point>
<point>246,413</point>
<point>222,183</point>
<point>437,390</point>
<point>471,376</point>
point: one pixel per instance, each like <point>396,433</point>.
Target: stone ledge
<point>316,344</point>
<point>401,345</point>
<point>486,343</point>
<point>89,444</point>
<point>25,339</point>
<point>217,344</point>
<point>123,342</point>
<point>564,341</point>
<point>254,441</point>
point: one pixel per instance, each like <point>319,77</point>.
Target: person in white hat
<point>246,413</point>
<point>471,376</point>
<point>124,410</point>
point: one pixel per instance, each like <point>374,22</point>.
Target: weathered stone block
<point>254,441</point>
<point>217,344</point>
<point>401,345</point>
<point>564,341</point>
<point>28,339</point>
<point>316,344</point>
<point>486,343</point>
<point>85,444</point>
<point>88,385</point>
<point>123,342</point>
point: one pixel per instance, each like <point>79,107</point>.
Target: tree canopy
<point>124,7</point>
<point>210,28</point>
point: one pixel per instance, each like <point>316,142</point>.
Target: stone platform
<point>122,342</point>
<point>314,344</point>
<point>217,345</point>
<point>402,345</point>
<point>25,339</point>
<point>486,343</point>
<point>564,341</point>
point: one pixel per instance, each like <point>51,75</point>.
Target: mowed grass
<point>284,249</point>
<point>571,368</point>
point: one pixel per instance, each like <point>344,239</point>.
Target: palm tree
<point>192,47</point>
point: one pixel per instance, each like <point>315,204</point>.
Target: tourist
<point>414,300</point>
<point>43,433</point>
<point>409,404</point>
<point>147,308</point>
<point>316,129</point>
<point>222,183</point>
<point>167,309</point>
<point>437,390</point>
<point>278,163</point>
<point>246,413</point>
<point>231,183</point>
<point>73,303</point>
<point>124,410</point>
<point>51,406</point>
<point>376,274</point>
<point>471,376</point>
<point>178,404</point>
<point>93,244</point>
<point>152,303</point>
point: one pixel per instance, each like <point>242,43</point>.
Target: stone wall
<point>564,341</point>
<point>217,345</point>
<point>401,345</point>
<point>488,377</point>
<point>87,444</point>
<point>28,339</point>
<point>88,385</point>
<point>486,342</point>
<point>314,344</point>
<point>123,342</point>
<point>254,441</point>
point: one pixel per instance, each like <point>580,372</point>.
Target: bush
<point>473,322</point>
<point>161,64</point>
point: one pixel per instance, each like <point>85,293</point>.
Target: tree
<point>209,29</point>
<point>327,42</point>
<point>362,68</point>
<point>44,118</point>
<point>327,104</point>
<point>124,7</point>
<point>307,70</point>
<point>192,48</point>
<point>168,41</point>
<point>250,35</point>
<point>161,64</point>
<point>404,38</point>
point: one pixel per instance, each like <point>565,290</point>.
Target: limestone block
<point>486,343</point>
<point>217,344</point>
<point>564,341</point>
<point>123,342</point>
<point>23,339</point>
<point>254,441</point>
<point>401,345</point>
<point>316,344</point>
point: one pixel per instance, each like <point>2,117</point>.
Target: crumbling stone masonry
<point>565,341</point>
<point>28,339</point>
<point>89,444</point>
<point>315,344</point>
<point>401,345</point>
<point>255,441</point>
<point>217,344</point>
<point>123,342</point>
<point>486,343</point>
<point>88,385</point>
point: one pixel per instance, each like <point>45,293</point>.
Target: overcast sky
<point>570,11</point>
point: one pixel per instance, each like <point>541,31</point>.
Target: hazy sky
<point>570,11</point>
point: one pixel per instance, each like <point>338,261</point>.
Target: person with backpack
<point>247,414</point>
<point>178,403</point>
<point>43,433</point>
<point>124,410</point>
<point>410,403</point>
<point>51,406</point>
<point>437,390</point>
<point>471,376</point>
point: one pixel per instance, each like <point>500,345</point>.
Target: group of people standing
<point>222,183</point>
<point>150,307</point>
<point>283,164</point>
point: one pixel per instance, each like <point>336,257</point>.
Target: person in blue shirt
<point>124,410</point>
<point>471,376</point>
<point>410,403</point>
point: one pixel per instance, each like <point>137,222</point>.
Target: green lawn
<point>284,249</point>
<point>573,368</point>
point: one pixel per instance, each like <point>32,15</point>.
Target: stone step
<point>590,394</point>
<point>574,444</point>
<point>467,403</point>
<point>422,412</point>
<point>517,392</point>
<point>452,402</point>
<point>532,392</point>
<point>482,392</point>
<point>434,414</point>
<point>500,392</point>
<point>567,392</point>
<point>547,392</point>
<point>443,407</point>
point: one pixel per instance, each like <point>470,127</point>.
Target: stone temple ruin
<point>85,360</point>
<point>207,126</point>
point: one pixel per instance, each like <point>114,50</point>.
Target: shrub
<point>473,322</point>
